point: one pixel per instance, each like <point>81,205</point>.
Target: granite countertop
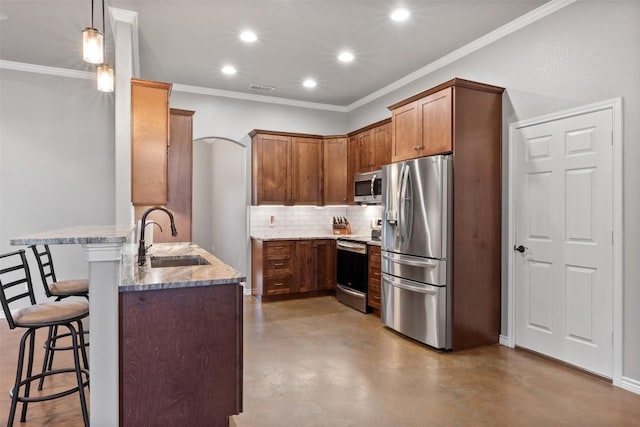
<point>361,238</point>
<point>87,234</point>
<point>145,278</point>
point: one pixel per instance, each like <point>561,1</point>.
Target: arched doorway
<point>220,199</point>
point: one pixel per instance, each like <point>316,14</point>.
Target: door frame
<point>615,105</point>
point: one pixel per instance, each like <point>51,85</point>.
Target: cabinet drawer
<point>279,249</point>
<point>277,286</point>
<point>277,265</point>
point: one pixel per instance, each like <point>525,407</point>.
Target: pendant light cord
<point>104,30</point>
<point>92,14</point>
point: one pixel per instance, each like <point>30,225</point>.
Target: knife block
<point>341,229</point>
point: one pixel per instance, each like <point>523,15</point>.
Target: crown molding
<point>487,39</point>
<point>43,69</point>
<point>257,98</point>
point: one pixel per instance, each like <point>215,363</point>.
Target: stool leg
<point>27,386</point>
<point>52,345</point>
<point>45,361</point>
<point>76,360</point>
<point>16,387</point>
<point>83,347</point>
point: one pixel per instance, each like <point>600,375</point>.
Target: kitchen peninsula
<point>172,330</point>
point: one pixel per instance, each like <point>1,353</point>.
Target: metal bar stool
<point>14,278</point>
<point>58,289</point>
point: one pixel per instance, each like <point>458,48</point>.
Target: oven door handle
<point>350,291</point>
<point>413,263</point>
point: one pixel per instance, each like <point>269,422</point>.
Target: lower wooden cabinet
<point>292,267</point>
<point>374,294</point>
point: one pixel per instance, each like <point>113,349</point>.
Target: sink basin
<point>177,261</point>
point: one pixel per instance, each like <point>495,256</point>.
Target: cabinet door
<point>149,142</point>
<point>436,123</point>
<point>374,293</point>
<point>352,167</point>
<point>366,151</point>
<point>382,146</point>
<point>307,171</point>
<point>180,181</point>
<point>326,263</point>
<point>304,278</point>
<point>272,168</point>
<point>405,132</point>
<point>335,171</point>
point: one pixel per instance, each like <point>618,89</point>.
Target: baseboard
<point>504,340</point>
<point>630,385</point>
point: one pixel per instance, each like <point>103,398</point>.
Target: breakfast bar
<point>166,336</point>
<point>103,247</point>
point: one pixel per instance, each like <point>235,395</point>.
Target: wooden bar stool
<point>14,278</point>
<point>58,289</point>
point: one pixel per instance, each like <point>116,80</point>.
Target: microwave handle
<point>373,180</point>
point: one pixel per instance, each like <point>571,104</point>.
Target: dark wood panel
<point>374,261</point>
<point>462,83</point>
<point>352,156</point>
<point>326,263</point>
<point>306,174</point>
<point>305,271</point>
<point>436,128</point>
<point>177,369</point>
<point>273,178</point>
<point>180,178</point>
<point>405,132</point>
<point>366,152</point>
<point>476,217</point>
<point>382,145</point>
<point>335,171</point>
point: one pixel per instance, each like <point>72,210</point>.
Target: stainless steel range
<point>352,273</point>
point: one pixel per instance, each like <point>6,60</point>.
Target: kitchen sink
<point>177,261</point>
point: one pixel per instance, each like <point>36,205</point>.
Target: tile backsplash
<point>303,221</point>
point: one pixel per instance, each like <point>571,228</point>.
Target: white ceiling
<point>187,41</point>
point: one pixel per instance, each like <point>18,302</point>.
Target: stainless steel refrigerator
<point>416,249</point>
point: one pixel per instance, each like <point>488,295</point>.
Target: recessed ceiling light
<point>228,69</point>
<point>248,36</point>
<point>400,14</point>
<point>345,56</point>
<point>309,83</point>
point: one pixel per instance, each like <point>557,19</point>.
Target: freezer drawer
<point>416,310</point>
<point>419,269</point>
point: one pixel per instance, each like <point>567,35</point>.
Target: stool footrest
<point>49,396</point>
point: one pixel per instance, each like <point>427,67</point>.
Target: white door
<point>563,220</point>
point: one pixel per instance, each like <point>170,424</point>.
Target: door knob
<point>520,248</point>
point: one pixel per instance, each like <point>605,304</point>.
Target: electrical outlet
<point>272,220</point>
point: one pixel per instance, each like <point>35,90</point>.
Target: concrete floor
<point>316,362</point>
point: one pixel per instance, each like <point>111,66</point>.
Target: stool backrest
<point>15,282</point>
<point>45,265</point>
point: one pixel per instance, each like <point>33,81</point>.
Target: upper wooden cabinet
<point>335,171</point>
<point>271,183</point>
<point>372,147</point>
<point>306,171</point>
<point>287,169</point>
<point>149,141</point>
<point>426,124</point>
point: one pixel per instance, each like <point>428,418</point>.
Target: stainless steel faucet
<point>142,249</point>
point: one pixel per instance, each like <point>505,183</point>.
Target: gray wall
<point>201,223</point>
<point>56,161</point>
<point>584,53</point>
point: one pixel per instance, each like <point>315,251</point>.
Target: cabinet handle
<point>278,264</point>
<point>376,297</point>
<point>278,284</point>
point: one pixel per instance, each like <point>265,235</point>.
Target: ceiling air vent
<point>261,88</point>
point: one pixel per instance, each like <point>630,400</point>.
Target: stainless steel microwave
<point>367,187</point>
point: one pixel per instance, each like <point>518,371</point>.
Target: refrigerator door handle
<point>414,263</point>
<point>404,284</point>
<point>401,202</point>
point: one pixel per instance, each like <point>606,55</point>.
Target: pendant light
<point>105,78</point>
<point>93,42</point>
<point>104,72</point>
